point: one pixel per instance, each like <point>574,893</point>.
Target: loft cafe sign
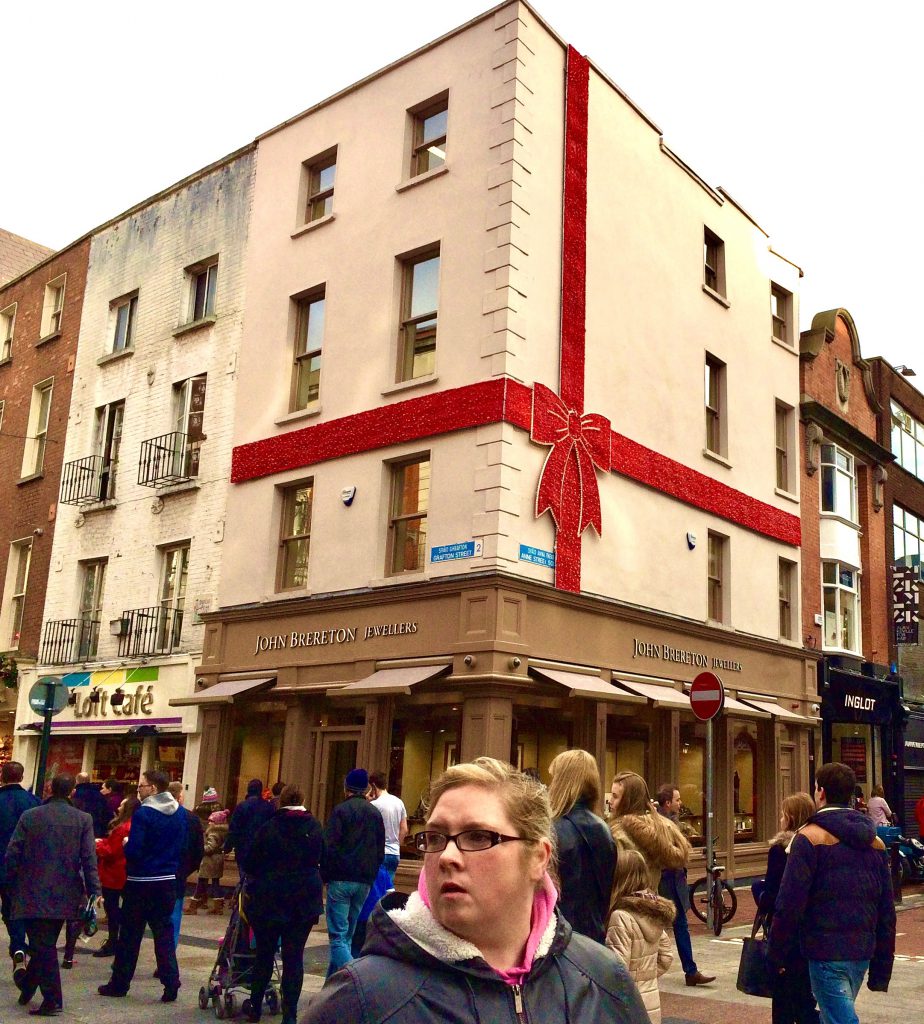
<point>335,635</point>
<point>141,702</point>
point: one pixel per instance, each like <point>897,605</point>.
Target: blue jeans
<point>344,902</point>
<point>391,862</point>
<point>175,918</point>
<point>682,938</point>
<point>835,984</point>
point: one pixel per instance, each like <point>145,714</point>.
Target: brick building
<point>902,431</point>
<point>138,549</point>
<point>413,391</point>
<point>40,316</point>
<point>844,573</point>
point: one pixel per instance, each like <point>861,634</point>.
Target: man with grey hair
<point>51,861</point>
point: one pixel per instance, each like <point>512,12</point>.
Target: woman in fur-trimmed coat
<point>636,825</point>
<point>638,929</point>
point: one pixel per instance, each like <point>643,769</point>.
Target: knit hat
<point>358,780</point>
<point>218,817</point>
<point>210,796</point>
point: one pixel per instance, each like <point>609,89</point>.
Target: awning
<point>580,685</point>
<point>224,692</point>
<point>389,681</point>
<point>769,705</point>
<point>735,707</point>
<point>662,695</point>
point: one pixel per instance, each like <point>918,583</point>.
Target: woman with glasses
<point>481,939</point>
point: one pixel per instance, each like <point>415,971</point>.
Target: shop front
<point>117,724</point>
<point>914,769</point>
<point>430,675</point>
<point>863,722</point>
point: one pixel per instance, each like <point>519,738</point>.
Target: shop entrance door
<point>339,748</point>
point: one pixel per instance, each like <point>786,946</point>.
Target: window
<point>715,405</point>
<point>309,336</point>
<point>420,291</point>
<point>203,280</point>
<point>407,524</point>
<point>91,607</point>
<point>37,432</point>
<point>108,440</point>
<point>123,312</point>
<point>785,442</point>
<point>296,536</point>
<point>781,314</point>
<point>908,441</point>
<point>172,596</point>
<point>53,307</point>
<point>908,538</point>
<point>744,781</point>
<point>320,173</point>
<point>718,574</point>
<point>428,148</point>
<point>17,582</point>
<point>188,422</point>
<point>838,483</point>
<point>7,326</point>
<point>713,262</point>
<point>841,602</point>
<point>787,599</point>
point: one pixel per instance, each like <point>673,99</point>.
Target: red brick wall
<point>28,507</point>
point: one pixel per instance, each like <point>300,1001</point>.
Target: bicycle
<point>719,893</point>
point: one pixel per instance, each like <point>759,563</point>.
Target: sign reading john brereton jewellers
<point>664,652</point>
<point>336,635</point>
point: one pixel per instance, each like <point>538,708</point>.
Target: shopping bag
<point>753,969</point>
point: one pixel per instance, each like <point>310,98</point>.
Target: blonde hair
<point>635,796</point>
<point>798,808</point>
<point>631,875</point>
<point>877,791</point>
<point>573,776</point>
<point>524,799</point>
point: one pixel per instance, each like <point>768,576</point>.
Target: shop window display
<point>536,741</point>
<point>256,745</point>
<point>744,782</point>
<point>117,758</point>
<point>853,745</point>
<point>692,781</point>
<point>170,755</point>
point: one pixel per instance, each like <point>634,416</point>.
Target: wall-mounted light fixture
<point>118,697</point>
<point>905,371</point>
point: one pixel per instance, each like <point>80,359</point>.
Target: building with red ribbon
<point>515,448</point>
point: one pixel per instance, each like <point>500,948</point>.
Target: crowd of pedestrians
<point>527,898</point>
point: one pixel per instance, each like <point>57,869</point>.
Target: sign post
<point>48,697</point>
<point>707,698</point>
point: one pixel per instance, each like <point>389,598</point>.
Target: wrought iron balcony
<point>168,459</point>
<point>68,641</point>
<point>153,630</point>
<point>87,481</point>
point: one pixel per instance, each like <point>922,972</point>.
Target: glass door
<point>338,752</point>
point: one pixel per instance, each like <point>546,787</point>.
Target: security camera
<point>469,660</point>
<point>816,708</point>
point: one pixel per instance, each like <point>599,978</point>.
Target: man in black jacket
<point>89,799</point>
<point>835,900</point>
<point>354,849</point>
<point>248,816</point>
<point>13,801</point>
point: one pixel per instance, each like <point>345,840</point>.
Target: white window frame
<point>908,539</point>
<point>53,307</point>
<point>172,598</point>
<point>781,314</point>
<point>205,271</point>
<point>844,596</point>
<point>840,467</point>
<point>7,330</point>
<point>410,324</point>
<point>90,610</point>
<point>16,586</point>
<point>713,263</point>
<point>110,420</point>
<point>428,148</point>
<point>907,441</point>
<point>124,312</point>
<point>33,456</point>
<point>318,201</point>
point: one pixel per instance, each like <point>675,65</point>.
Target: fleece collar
<point>162,802</point>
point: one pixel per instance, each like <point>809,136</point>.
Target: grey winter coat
<point>51,862</point>
<point>413,971</point>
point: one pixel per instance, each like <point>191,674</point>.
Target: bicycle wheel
<point>718,906</point>
<point>699,898</point>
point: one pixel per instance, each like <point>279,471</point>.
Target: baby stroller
<point>228,987</point>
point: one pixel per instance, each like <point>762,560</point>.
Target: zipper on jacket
<point>518,1004</point>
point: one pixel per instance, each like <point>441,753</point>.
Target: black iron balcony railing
<point>88,480</point>
<point>67,641</point>
<point>168,459</point>
<point>153,630</point>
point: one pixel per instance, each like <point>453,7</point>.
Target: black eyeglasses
<point>470,841</point>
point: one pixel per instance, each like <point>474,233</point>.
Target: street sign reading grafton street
<point>707,696</point>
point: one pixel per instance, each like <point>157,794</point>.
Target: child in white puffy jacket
<point>638,928</point>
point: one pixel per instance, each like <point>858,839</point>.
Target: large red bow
<point>568,483</point>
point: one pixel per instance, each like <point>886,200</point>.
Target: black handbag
<point>754,971</point>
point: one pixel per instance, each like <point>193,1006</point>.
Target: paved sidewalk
<point>719,1003</point>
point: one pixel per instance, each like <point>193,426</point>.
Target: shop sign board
<point>707,696</point>
<point>463,549</point>
<point>914,742</point>
<point>537,556</point>
<point>905,603</point>
<point>857,700</point>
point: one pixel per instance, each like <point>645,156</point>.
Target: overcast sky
<point>808,113</point>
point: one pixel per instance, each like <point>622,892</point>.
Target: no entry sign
<point>707,696</point>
